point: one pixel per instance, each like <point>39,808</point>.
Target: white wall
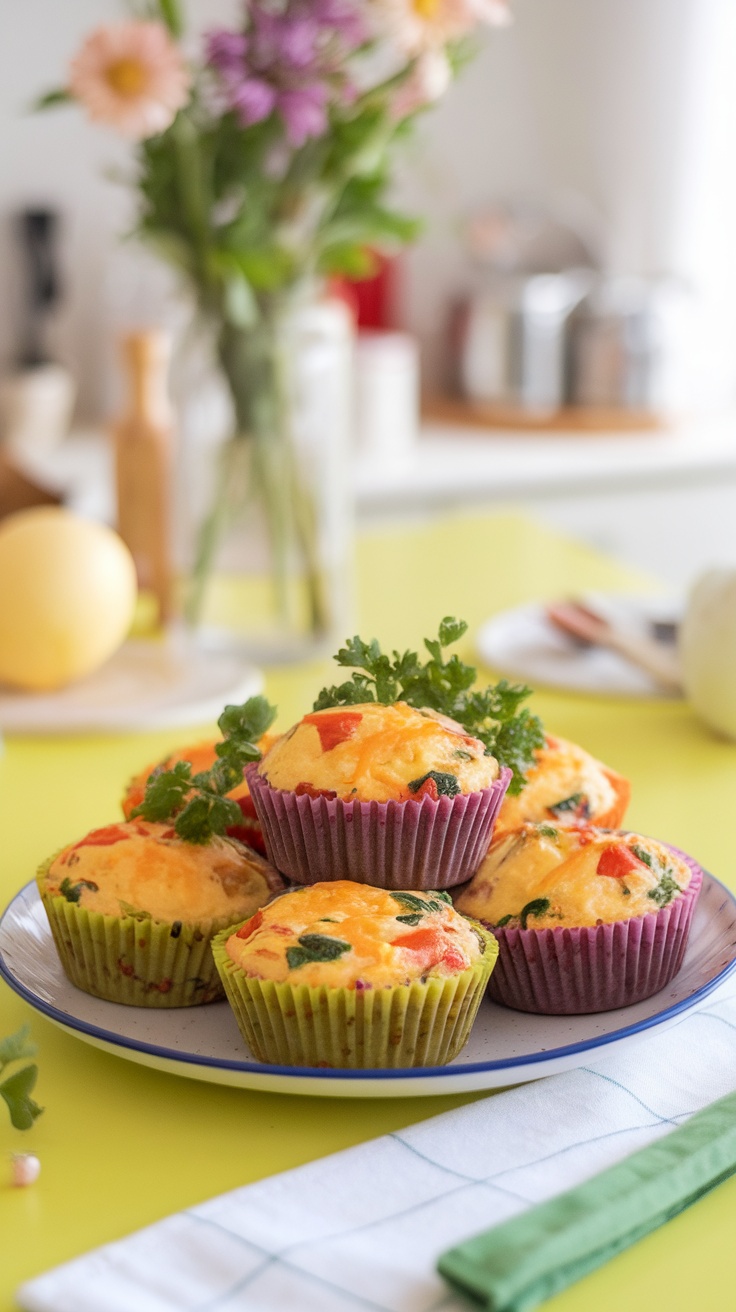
<point>631,104</point>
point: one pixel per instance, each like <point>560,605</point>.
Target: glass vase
<point>270,506</point>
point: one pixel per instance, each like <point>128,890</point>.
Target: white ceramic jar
<point>708,649</point>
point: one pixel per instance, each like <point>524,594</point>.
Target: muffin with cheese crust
<point>133,910</point>
<point>385,795</point>
<point>586,919</point>
<point>350,976</point>
<point>202,756</point>
<point>566,786</point>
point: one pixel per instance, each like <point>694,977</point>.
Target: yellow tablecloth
<point>122,1146</point>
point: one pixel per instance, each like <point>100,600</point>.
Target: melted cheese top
<point>563,773</point>
<point>136,866</point>
<point>347,935</point>
<point>542,877</point>
<point>378,753</point>
<point>202,756</point>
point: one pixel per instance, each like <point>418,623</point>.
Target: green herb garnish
<point>504,921</point>
<point>446,784</point>
<point>547,831</point>
<point>642,854</point>
<point>198,801</point>
<point>411,902</point>
<point>315,947</point>
<point>666,889</point>
<point>491,714</point>
<point>413,919</point>
<point>577,801</point>
<point>535,908</point>
<point>17,1088</point>
<point>73,892</point>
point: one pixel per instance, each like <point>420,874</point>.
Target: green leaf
<point>411,920</point>
<point>315,947</point>
<point>16,1047</point>
<point>642,854</point>
<point>447,784</point>
<point>206,816</point>
<point>16,1090</point>
<point>451,630</point>
<point>349,258</point>
<point>172,16</point>
<point>135,912</point>
<point>165,792</point>
<point>492,714</point>
<point>535,908</point>
<point>547,831</point>
<point>53,98</point>
<point>503,921</point>
<point>249,721</point>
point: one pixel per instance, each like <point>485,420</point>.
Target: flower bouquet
<point>262,171</point>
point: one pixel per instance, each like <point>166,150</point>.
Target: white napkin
<point>362,1230</point>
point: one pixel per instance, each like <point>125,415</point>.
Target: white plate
<point>505,1047</point>
<point>522,644</point>
<point>150,684</point>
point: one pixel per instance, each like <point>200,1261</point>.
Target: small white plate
<point>147,684</point>
<point>505,1047</point>
<point>522,644</point>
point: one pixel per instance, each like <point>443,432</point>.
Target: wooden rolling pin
<point>144,442</point>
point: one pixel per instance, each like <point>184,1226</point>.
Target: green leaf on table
<point>16,1093</point>
<point>16,1047</point>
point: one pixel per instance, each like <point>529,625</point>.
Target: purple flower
<point>289,61</point>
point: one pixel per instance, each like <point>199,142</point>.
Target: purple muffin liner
<point>564,972</point>
<point>399,845</point>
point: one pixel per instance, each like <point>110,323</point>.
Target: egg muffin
<point>202,756</point>
<point>385,795</point>
<point>566,785</point>
<point>350,976</point>
<point>133,909</point>
<point>586,919</point>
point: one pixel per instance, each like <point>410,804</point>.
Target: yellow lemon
<point>67,595</point>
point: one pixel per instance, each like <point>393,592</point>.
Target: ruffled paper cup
<point>135,960</point>
<point>568,972</point>
<point>397,845</point>
<point>417,1024</point>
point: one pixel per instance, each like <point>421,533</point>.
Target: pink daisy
<point>132,77</point>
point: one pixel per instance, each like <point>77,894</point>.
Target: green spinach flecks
<point>315,947</point>
<point>446,784</point>
<point>577,803</point>
<point>73,892</point>
<point>666,889</point>
<point>536,907</point>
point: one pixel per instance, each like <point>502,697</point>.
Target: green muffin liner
<point>131,959</point>
<point>418,1024</point>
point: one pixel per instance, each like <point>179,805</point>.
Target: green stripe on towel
<point>519,1264</point>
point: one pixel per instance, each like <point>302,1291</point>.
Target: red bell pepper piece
<point>618,861</point>
<point>334,729</point>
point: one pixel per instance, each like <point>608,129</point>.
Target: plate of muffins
<point>415,889</point>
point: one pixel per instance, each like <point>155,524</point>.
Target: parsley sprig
<point>16,1089</point>
<point>198,801</point>
<point>445,684</point>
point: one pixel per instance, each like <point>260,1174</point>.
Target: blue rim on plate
<point>540,1058</point>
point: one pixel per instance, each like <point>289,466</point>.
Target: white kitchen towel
<point>362,1229</point>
